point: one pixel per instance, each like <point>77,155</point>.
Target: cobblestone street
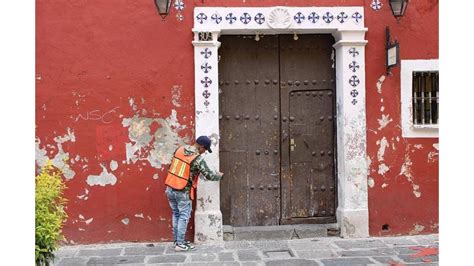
<point>412,250</point>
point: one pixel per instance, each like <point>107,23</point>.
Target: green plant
<point>49,213</point>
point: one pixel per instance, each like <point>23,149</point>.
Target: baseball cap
<point>204,141</point>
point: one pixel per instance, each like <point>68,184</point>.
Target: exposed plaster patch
<point>379,83</point>
<point>370,182</point>
<point>383,168</point>
<point>432,156</point>
<point>418,146</point>
<point>416,191</point>
<point>139,215</point>
<point>103,179</point>
<point>89,221</point>
<point>85,195</point>
<point>384,185</point>
<point>384,121</point>
<point>156,148</point>
<point>113,165</point>
<point>81,216</point>
<point>156,176</point>
<point>131,101</point>
<point>176,95</point>
<point>61,157</point>
<point>417,229</point>
<point>406,171</point>
<point>393,144</point>
<point>382,109</point>
<point>214,139</point>
<point>125,221</point>
<point>383,143</point>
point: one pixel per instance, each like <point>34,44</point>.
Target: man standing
<point>181,182</point>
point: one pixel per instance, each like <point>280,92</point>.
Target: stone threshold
<point>280,232</point>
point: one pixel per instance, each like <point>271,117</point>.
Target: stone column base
<point>208,226</point>
<point>353,222</point>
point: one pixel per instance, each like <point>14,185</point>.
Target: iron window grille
<point>425,90</point>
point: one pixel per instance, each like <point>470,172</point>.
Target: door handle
<point>292,144</point>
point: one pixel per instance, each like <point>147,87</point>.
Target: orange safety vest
<point>179,171</point>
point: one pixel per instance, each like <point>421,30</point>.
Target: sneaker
<point>190,245</point>
<point>187,243</point>
<point>181,247</point>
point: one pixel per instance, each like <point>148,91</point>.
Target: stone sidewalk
<point>412,250</point>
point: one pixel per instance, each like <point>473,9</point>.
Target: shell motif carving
<point>279,18</point>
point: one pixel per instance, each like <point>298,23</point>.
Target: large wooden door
<point>250,130</point>
<point>277,144</point>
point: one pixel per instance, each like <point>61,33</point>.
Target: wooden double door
<point>277,129</point>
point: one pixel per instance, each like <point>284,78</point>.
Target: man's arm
<point>201,166</point>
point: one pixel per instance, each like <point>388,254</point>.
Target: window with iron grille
<point>419,95</point>
<point>425,97</point>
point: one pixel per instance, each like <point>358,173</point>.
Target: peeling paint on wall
<point>383,143</point>
<point>370,182</point>
<point>406,171</point>
<point>418,146</point>
<point>125,221</point>
<point>384,121</point>
<point>155,147</point>
<point>61,157</point>
<point>103,179</point>
<point>417,229</point>
<point>85,195</point>
<point>432,156</point>
<point>383,168</point>
<point>176,95</point>
<point>139,215</point>
<point>113,165</point>
<point>379,83</point>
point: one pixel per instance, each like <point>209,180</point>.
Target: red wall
<point>100,62</point>
<point>396,204</point>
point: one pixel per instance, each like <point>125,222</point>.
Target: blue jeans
<point>181,207</point>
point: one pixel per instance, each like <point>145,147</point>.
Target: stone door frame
<point>346,24</point>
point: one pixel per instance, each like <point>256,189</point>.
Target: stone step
<point>280,232</point>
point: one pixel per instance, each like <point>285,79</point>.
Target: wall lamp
<point>163,7</point>
<point>398,8</point>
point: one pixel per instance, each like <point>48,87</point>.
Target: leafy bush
<point>49,213</point>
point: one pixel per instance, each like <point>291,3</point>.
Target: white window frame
<point>409,130</point>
